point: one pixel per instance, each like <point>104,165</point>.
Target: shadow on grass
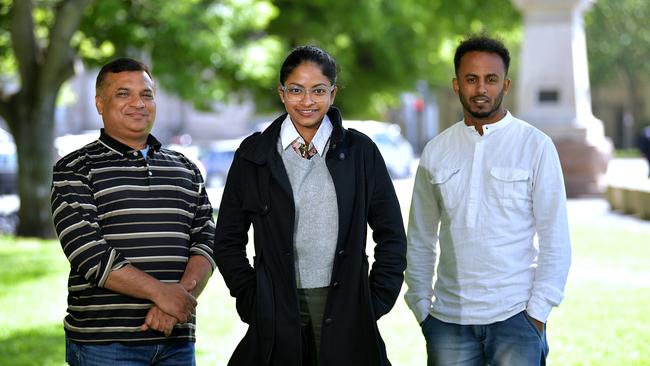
<point>36,346</point>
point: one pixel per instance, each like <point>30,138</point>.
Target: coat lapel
<point>341,167</point>
<point>339,160</point>
<point>265,152</point>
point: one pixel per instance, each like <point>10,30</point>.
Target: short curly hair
<point>481,43</point>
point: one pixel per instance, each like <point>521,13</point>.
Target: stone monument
<point>553,90</point>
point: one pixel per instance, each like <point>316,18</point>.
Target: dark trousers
<point>312,307</point>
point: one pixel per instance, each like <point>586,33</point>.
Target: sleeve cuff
<point>114,262</point>
<point>421,310</point>
<point>538,309</point>
<point>203,251</point>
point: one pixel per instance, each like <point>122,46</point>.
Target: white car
<point>395,149</point>
<point>8,164</point>
<point>217,156</point>
<point>68,143</point>
<point>192,153</point>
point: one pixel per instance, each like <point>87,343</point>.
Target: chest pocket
<point>447,182</point>
<point>509,185</point>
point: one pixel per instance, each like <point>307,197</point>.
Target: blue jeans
<point>514,341</point>
<point>170,353</point>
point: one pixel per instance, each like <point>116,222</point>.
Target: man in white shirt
<point>484,188</point>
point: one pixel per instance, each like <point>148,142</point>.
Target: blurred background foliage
<point>206,50</point>
<point>214,50</point>
<point>230,50</point>
<point>618,41</point>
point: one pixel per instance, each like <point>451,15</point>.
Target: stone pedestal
<point>553,90</point>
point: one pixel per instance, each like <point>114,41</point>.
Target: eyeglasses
<point>318,94</point>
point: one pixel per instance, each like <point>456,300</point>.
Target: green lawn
<point>604,319</point>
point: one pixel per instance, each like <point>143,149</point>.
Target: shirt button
<point>335,284</point>
<point>265,209</point>
<point>135,154</point>
<point>328,321</point>
<point>341,156</point>
<point>341,252</point>
<point>150,173</point>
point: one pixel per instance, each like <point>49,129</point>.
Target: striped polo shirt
<point>112,207</point>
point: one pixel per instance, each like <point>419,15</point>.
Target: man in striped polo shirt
<point>135,223</point>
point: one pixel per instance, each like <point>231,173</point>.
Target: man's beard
<point>481,115</point>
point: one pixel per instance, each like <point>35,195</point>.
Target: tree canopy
<point>208,50</point>
<point>618,44</point>
<point>385,47</point>
<point>203,50</point>
<point>618,38</point>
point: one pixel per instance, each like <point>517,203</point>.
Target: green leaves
<point>201,50</point>
<point>384,47</point>
<point>207,50</point>
<point>618,39</point>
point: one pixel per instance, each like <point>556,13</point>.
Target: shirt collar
<point>122,149</point>
<point>492,127</point>
<point>289,134</point>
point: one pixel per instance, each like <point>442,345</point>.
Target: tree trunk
<point>33,131</point>
<point>30,112</point>
<point>635,95</point>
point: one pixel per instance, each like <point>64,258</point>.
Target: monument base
<point>584,164</point>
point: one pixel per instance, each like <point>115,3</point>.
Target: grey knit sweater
<point>316,224</point>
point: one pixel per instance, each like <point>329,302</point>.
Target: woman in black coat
<point>310,188</point>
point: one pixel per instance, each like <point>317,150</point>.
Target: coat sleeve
<point>231,237</point>
<point>385,220</point>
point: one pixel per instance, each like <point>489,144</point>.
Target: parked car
<point>8,164</point>
<point>395,149</point>
<point>217,156</point>
<point>63,145</point>
<point>192,153</point>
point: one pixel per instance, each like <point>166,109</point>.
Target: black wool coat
<point>258,192</point>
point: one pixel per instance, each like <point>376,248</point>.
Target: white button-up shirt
<point>483,199</point>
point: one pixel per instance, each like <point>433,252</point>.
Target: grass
<point>603,320</point>
<point>627,153</point>
<point>32,299</point>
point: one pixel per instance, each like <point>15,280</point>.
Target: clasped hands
<point>174,304</point>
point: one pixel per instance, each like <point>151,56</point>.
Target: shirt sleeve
<point>550,213</point>
<point>74,214</point>
<point>202,231</point>
<point>422,238</point>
